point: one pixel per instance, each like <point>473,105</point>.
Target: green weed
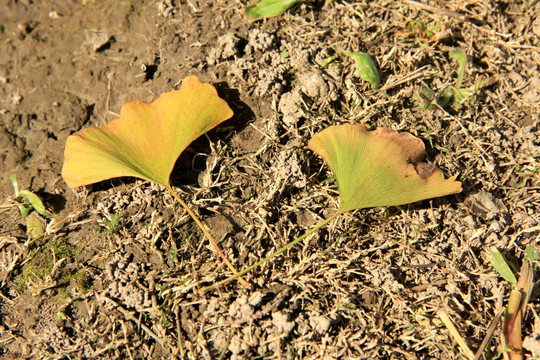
<point>40,262</point>
<point>109,225</point>
<point>456,96</point>
<point>419,33</point>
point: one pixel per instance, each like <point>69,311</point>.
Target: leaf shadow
<point>188,165</point>
<point>55,202</point>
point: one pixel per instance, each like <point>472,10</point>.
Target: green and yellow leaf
<point>147,138</point>
<point>379,168</point>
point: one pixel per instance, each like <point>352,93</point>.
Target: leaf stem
<point>210,238</point>
<point>460,56</point>
<point>274,254</point>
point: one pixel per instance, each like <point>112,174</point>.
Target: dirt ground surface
<point>366,287</point>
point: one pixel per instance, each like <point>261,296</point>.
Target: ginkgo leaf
<point>147,138</point>
<point>379,168</point>
<point>146,141</point>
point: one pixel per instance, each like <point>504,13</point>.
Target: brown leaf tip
<point>413,147</point>
<point>413,150</point>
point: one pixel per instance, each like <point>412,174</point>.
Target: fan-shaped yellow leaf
<point>379,168</point>
<point>147,138</point>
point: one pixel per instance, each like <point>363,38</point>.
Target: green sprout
<point>328,61</point>
<point>500,264</point>
<point>455,95</point>
<point>511,340</point>
<point>27,200</point>
<point>109,225</point>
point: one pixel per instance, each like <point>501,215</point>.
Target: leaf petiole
<point>237,275</point>
<point>274,254</point>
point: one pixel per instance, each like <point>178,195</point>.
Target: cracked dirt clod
<point>289,168</point>
<point>226,49</point>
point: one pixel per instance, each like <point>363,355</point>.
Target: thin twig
<point>455,333</point>
<point>437,10</point>
<point>413,76</point>
<point>488,336</point>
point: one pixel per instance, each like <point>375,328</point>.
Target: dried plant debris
<point>117,272</point>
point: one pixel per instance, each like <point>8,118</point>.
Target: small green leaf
<point>531,252</point>
<point>428,93</point>
<point>445,97</point>
<point>35,201</point>
<point>425,98</point>
<point>367,69</point>
<point>328,60</point>
<point>285,54</point>
<point>500,264</point>
<point>110,225</point>
<point>25,210</point>
<point>34,226</point>
<point>459,55</point>
<point>268,8</point>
